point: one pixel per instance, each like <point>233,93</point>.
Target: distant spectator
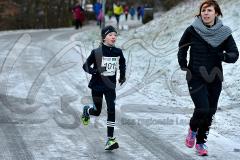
<point>138,12</point>
<point>79,16</point>
<point>142,12</point>
<point>100,17</point>
<point>117,10</point>
<point>109,12</point>
<point>96,8</point>
<point>132,12</point>
<point>126,10</point>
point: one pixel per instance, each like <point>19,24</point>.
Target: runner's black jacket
<point>99,82</point>
<point>205,59</point>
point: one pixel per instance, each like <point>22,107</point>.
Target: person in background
<point>142,12</point>
<point>109,12</point>
<point>126,10</point>
<point>97,7</point>
<point>100,17</point>
<point>79,16</point>
<point>138,12</point>
<point>132,12</point>
<point>118,11</point>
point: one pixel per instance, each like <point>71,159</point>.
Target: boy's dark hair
<point>210,3</point>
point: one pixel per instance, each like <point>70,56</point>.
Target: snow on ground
<point>154,64</point>
<point>159,41</point>
<point>155,95</point>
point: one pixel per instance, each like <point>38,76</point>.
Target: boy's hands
<point>100,70</point>
<point>122,80</point>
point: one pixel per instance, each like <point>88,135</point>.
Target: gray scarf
<point>214,35</point>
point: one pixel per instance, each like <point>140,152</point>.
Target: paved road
<point>39,118</point>
<point>42,90</point>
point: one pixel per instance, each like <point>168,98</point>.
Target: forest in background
<point>35,14</point>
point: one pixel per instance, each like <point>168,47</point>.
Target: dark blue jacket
<point>97,7</point>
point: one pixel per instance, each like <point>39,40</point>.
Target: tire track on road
<point>95,145</point>
<point>15,147</point>
<point>158,146</point>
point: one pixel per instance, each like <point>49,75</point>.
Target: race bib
<point>111,64</point>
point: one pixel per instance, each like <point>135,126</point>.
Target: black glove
<point>122,80</point>
<point>102,69</point>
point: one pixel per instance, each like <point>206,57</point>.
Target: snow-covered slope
<point>162,89</point>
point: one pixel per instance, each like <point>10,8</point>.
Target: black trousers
<point>205,97</point>
<point>110,97</point>
<point>78,23</point>
<point>117,19</point>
